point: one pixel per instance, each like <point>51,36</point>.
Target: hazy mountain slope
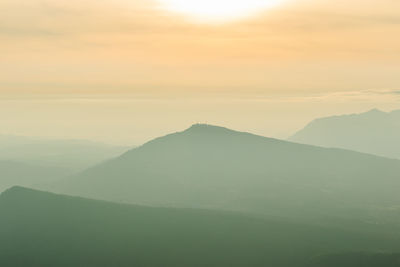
<point>75,155</point>
<point>374,132</point>
<point>42,229</point>
<point>214,167</point>
<point>16,173</point>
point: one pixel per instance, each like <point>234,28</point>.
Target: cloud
<point>145,16</point>
<point>369,95</point>
<point>133,45</point>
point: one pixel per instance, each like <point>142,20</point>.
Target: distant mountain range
<point>23,174</point>
<point>39,229</point>
<point>34,162</point>
<point>213,167</point>
<point>375,132</point>
<point>75,155</point>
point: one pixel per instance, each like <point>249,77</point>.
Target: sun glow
<point>218,10</point>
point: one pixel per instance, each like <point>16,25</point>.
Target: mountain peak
<point>375,111</point>
<point>207,128</point>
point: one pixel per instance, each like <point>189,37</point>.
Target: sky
<point>124,71</point>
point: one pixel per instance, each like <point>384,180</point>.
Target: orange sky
<point>133,48</point>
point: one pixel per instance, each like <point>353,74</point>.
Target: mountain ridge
<point>374,132</point>
<point>217,168</point>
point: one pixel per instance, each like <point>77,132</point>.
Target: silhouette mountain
<point>375,132</point>
<point>39,229</point>
<point>213,167</point>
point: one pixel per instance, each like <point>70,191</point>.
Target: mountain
<point>213,167</point>
<point>17,173</point>
<point>39,229</point>
<point>375,132</point>
<point>75,155</point>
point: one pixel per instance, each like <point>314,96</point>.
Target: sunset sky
<point>123,71</point>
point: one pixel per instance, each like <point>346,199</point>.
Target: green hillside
<point>39,229</point>
<point>352,259</point>
<point>214,167</point>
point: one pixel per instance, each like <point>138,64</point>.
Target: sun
<point>218,10</point>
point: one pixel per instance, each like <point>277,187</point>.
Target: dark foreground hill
<point>374,132</point>
<point>353,259</point>
<point>214,167</point>
<point>40,229</point>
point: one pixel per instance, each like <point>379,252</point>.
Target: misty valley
<point>207,196</point>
